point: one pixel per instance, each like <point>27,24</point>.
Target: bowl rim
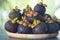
<point>31,36</point>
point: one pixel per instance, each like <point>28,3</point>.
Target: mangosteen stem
<point>41,1</point>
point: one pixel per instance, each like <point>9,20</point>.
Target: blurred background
<point>53,8</point>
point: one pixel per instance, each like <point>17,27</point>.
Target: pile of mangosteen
<point>31,21</point>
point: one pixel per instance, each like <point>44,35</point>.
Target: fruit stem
<point>41,1</point>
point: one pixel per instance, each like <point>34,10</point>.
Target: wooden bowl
<point>31,36</point>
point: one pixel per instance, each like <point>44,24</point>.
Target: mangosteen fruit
<point>52,27</point>
<point>14,15</point>
<point>39,17</point>
<point>46,16</point>
<point>40,28</point>
<point>19,15</point>
<point>30,19</point>
<point>11,27</point>
<point>40,9</point>
<point>24,29</point>
<point>24,12</point>
<point>58,24</point>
